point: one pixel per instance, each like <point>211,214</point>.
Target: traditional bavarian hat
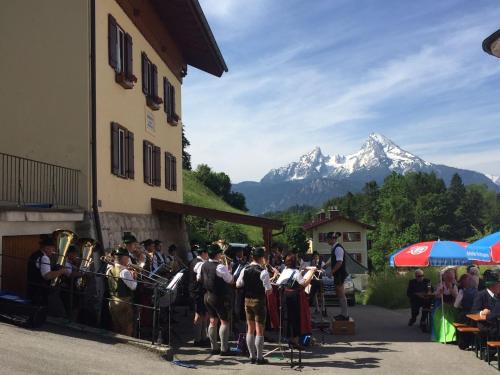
<point>258,252</point>
<point>121,251</point>
<point>129,238</point>
<point>214,249</point>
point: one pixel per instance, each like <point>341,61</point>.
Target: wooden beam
<point>210,213</point>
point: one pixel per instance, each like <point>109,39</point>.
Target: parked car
<point>331,295</point>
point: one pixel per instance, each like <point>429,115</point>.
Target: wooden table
<point>476,317</point>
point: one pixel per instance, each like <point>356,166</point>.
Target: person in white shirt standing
<point>41,272</point>
<point>254,278</point>
<point>122,284</point>
<point>216,278</point>
<point>339,272</point>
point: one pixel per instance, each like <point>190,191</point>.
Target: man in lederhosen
<point>132,246</point>
<point>122,284</point>
<point>197,294</point>
<point>215,278</point>
<point>339,272</point>
<point>41,272</point>
<point>255,280</point>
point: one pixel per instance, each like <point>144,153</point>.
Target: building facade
<point>92,117</point>
<point>354,235</point>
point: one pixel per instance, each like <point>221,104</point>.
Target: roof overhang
<point>319,223</point>
<point>189,28</point>
<point>210,213</point>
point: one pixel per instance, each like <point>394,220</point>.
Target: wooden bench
<point>495,345</point>
<point>463,328</point>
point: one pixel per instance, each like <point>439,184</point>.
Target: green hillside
<point>197,194</point>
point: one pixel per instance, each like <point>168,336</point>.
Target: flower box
<point>124,81</point>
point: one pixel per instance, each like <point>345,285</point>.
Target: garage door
<point>15,253</point>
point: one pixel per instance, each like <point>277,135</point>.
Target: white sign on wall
<point>150,122</point>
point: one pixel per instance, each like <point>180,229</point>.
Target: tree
<point>186,156</point>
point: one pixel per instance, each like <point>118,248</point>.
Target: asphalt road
<point>383,344</point>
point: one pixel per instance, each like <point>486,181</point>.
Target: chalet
<point>354,234</point>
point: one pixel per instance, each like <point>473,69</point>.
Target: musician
<point>122,284</point>
<point>149,248</point>
<point>317,262</point>
<point>255,280</point>
<point>294,283</point>
<point>69,295</point>
<point>197,294</point>
<point>132,246</point>
<point>172,250</point>
<point>215,278</point>
<point>158,257</point>
<point>339,272</point>
<point>41,272</point>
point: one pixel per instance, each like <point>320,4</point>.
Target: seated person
<point>485,302</point>
<point>415,286</point>
<point>467,290</point>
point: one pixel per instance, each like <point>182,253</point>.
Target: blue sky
<point>329,72</point>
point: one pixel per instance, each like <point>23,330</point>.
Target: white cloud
<point>280,103</point>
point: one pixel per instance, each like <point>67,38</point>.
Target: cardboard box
<point>343,327</point>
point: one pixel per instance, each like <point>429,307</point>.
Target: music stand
<point>170,290</point>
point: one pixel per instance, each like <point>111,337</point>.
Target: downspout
<point>95,208</point>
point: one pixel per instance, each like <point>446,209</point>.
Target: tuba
<point>63,238</point>
<point>87,247</point>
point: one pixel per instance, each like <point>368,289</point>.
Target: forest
<point>407,209</point>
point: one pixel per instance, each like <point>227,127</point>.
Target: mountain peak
<point>379,138</point>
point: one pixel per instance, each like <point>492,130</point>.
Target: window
<point>352,236</point>
<point>122,151</point>
<point>120,54</point>
<point>152,168</point>
<point>322,237</point>
<point>169,103</point>
<point>170,171</point>
<point>150,83</point>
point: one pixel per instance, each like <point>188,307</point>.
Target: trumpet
<point>274,271</point>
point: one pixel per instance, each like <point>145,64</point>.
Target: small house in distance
<point>354,234</point>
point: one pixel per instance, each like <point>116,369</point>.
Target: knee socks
<point>259,344</point>
<point>343,306</point>
<point>212,335</point>
<point>224,337</point>
<point>251,345</point>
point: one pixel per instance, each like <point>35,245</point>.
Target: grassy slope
<point>197,194</point>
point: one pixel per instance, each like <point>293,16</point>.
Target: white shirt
<point>43,264</point>
<point>339,252</point>
<point>264,277</point>
<point>68,269</point>
<point>287,273</point>
<point>197,266</point>
<point>220,271</point>
<point>125,275</point>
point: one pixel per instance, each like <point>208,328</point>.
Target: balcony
<point>31,184</point>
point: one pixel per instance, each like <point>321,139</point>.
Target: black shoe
<point>411,321</point>
<point>262,361</point>
<point>252,361</point>
<point>215,351</point>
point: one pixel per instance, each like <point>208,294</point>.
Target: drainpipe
<point>95,209</point>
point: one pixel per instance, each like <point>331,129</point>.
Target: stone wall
<point>168,228</point>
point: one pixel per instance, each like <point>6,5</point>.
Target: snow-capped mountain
<point>495,179</point>
<point>377,152</point>
<point>316,177</point>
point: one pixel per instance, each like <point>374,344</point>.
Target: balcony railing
<point>33,184</point>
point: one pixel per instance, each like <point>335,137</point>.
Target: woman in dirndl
<point>445,314</point>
